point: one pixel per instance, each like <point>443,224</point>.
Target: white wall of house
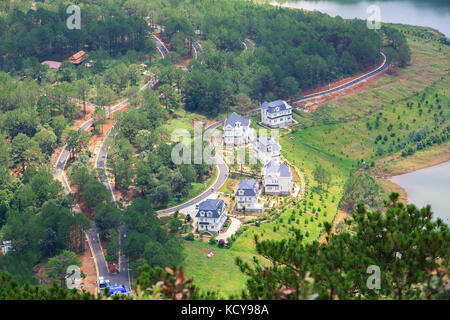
<point>265,157</point>
<point>274,184</point>
<point>247,201</point>
<point>214,225</point>
<point>237,135</point>
<point>277,119</point>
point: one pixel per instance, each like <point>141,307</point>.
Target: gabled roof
<point>263,144</point>
<point>52,64</point>
<point>271,107</point>
<point>214,206</point>
<point>249,186</point>
<point>279,168</point>
<point>78,57</point>
<point>234,117</point>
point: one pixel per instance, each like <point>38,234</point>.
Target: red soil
<point>312,104</point>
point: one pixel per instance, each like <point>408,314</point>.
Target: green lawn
<point>337,136</point>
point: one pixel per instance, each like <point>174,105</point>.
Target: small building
<point>267,149</point>
<point>211,216</point>
<point>52,64</point>
<point>78,57</point>
<point>247,196</point>
<point>276,114</point>
<point>278,178</point>
<point>237,130</point>
<point>6,247</point>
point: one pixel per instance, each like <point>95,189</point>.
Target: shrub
<point>189,237</point>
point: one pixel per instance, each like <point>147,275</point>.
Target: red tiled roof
<point>78,57</point>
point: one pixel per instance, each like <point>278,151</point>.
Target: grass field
<point>338,137</point>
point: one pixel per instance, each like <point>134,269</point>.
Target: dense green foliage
<point>405,243</point>
<point>43,34</point>
<point>152,172</point>
<point>361,188</point>
<point>147,242</point>
<point>294,51</point>
<point>38,220</point>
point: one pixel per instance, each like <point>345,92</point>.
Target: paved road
<point>246,43</point>
<point>381,68</point>
<point>222,175</point>
<point>160,45</point>
<point>223,168</point>
<point>197,47</point>
<point>123,276</point>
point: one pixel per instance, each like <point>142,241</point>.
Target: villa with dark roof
<point>247,196</point>
<point>277,178</point>
<point>266,149</point>
<point>237,130</point>
<point>276,114</point>
<point>211,216</point>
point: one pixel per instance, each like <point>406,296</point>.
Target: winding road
<point>368,75</point>
<point>123,276</point>
<point>223,170</point>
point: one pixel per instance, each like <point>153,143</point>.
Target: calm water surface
<point>429,186</point>
<point>426,13</point>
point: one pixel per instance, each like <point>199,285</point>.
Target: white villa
<point>247,196</point>
<point>276,114</point>
<point>211,215</point>
<point>237,130</point>
<point>277,178</point>
<point>266,149</point>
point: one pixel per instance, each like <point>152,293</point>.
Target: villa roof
<point>275,106</point>
<point>234,117</point>
<point>211,205</point>
<point>267,144</point>
<point>279,168</point>
<point>248,186</point>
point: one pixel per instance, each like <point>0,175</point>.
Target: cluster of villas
<point>237,130</point>
<point>277,176</point>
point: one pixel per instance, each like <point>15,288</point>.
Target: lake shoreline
<point>433,157</point>
<point>335,8</point>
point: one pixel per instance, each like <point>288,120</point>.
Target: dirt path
<point>89,269</point>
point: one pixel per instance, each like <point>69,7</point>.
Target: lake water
<point>429,186</point>
<point>427,13</point>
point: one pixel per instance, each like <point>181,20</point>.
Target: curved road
<point>381,68</point>
<point>223,168</point>
<point>160,45</point>
<point>222,175</point>
<point>119,278</point>
<point>123,277</point>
